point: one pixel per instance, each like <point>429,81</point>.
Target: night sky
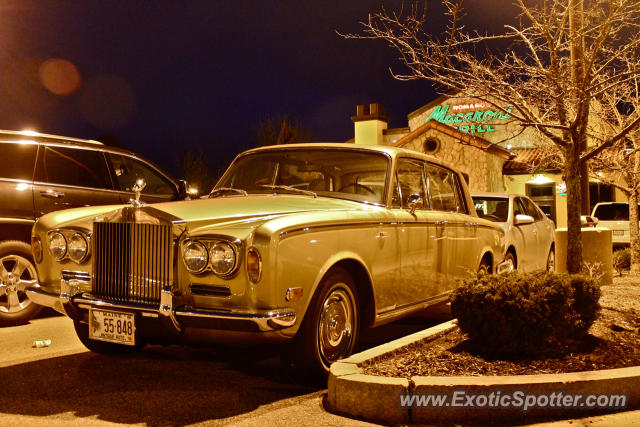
<point>165,77</point>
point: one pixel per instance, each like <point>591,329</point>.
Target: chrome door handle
<point>445,222</point>
<point>52,194</point>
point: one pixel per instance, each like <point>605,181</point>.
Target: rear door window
<point>410,176</point>
<point>444,189</point>
<point>19,160</point>
<point>73,166</point>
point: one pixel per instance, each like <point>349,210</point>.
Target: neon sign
<point>480,113</point>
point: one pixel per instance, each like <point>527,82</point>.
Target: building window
<point>599,192</point>
<point>431,145</point>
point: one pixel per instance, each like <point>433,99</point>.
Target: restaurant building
<point>485,143</point>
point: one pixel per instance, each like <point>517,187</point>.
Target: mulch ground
<point>613,342</point>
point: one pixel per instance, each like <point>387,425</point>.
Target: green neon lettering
<point>464,129</point>
<point>438,113</point>
<point>477,116</point>
<point>448,118</point>
<point>490,129</point>
<point>458,118</point>
<point>468,116</point>
<point>488,115</point>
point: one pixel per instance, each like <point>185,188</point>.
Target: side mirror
<point>523,219</point>
<point>182,189</point>
<point>414,202</point>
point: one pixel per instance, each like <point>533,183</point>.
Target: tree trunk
<point>634,233</point>
<point>574,235</point>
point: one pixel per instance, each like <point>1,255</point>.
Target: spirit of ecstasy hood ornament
<point>137,188</point>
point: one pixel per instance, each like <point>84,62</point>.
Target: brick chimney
<point>370,123</point>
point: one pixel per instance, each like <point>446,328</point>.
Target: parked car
<point>615,216</point>
<point>305,243</point>
<point>44,173</point>
<point>529,233</point>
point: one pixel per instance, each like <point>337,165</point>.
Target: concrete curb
<point>375,398</point>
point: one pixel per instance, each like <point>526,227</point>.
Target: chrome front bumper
<point>71,302</point>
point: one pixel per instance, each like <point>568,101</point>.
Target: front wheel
<point>330,328</point>
<point>102,347</point>
<point>17,272</point>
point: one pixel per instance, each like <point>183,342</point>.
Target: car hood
<point>229,211</point>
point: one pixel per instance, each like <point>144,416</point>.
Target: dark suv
<point>43,173</point>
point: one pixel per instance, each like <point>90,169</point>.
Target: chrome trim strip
<point>16,221</point>
<point>283,234</point>
<point>269,320</point>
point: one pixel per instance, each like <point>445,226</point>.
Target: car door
<point>422,268</point>
<point>16,178</point>
<point>526,236</point>
<point>69,177</point>
<point>459,228</point>
<point>127,170</point>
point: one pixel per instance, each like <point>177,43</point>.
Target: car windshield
<point>495,209</point>
<point>613,212</point>
<point>348,174</point>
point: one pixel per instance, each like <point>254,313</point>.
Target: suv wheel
<point>16,273</point>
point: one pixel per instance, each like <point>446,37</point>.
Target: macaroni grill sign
<point>469,118</point>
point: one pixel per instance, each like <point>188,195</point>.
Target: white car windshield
<point>495,209</point>
<point>348,174</point>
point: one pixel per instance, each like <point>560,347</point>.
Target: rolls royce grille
<point>131,262</point>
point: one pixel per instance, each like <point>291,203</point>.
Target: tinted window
<point>518,207</point>
<point>128,171</point>
<point>495,209</point>
<point>411,181</point>
<point>71,166</point>
<point>443,187</point>
<point>613,212</point>
<point>532,209</point>
<point>18,160</point>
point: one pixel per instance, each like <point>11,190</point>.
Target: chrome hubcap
<point>335,329</point>
<point>16,273</point>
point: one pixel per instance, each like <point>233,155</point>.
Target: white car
<point>614,216</point>
<point>529,234</point>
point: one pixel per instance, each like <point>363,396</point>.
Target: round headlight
<point>223,258</point>
<point>57,245</point>
<point>195,257</point>
<point>78,248</point>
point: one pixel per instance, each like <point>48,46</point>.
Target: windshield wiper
<point>289,188</point>
<point>219,191</point>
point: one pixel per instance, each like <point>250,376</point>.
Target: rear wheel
<point>485,267</point>
<point>16,273</point>
<point>102,347</point>
<point>551,260</point>
<point>330,328</point>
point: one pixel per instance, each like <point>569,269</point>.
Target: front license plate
<point>112,326</point>
<point>618,232</point>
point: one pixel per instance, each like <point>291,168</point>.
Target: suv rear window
<point>613,212</point>
<point>19,160</point>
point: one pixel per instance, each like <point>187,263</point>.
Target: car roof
<point>391,151</point>
<point>9,136</point>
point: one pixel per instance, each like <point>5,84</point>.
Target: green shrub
<point>525,314</point>
<point>622,260</point>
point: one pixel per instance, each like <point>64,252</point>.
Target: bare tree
<point>562,57</point>
<point>619,164</point>
<point>281,130</point>
<point>195,170</point>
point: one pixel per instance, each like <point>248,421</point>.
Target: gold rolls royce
<point>306,243</point>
